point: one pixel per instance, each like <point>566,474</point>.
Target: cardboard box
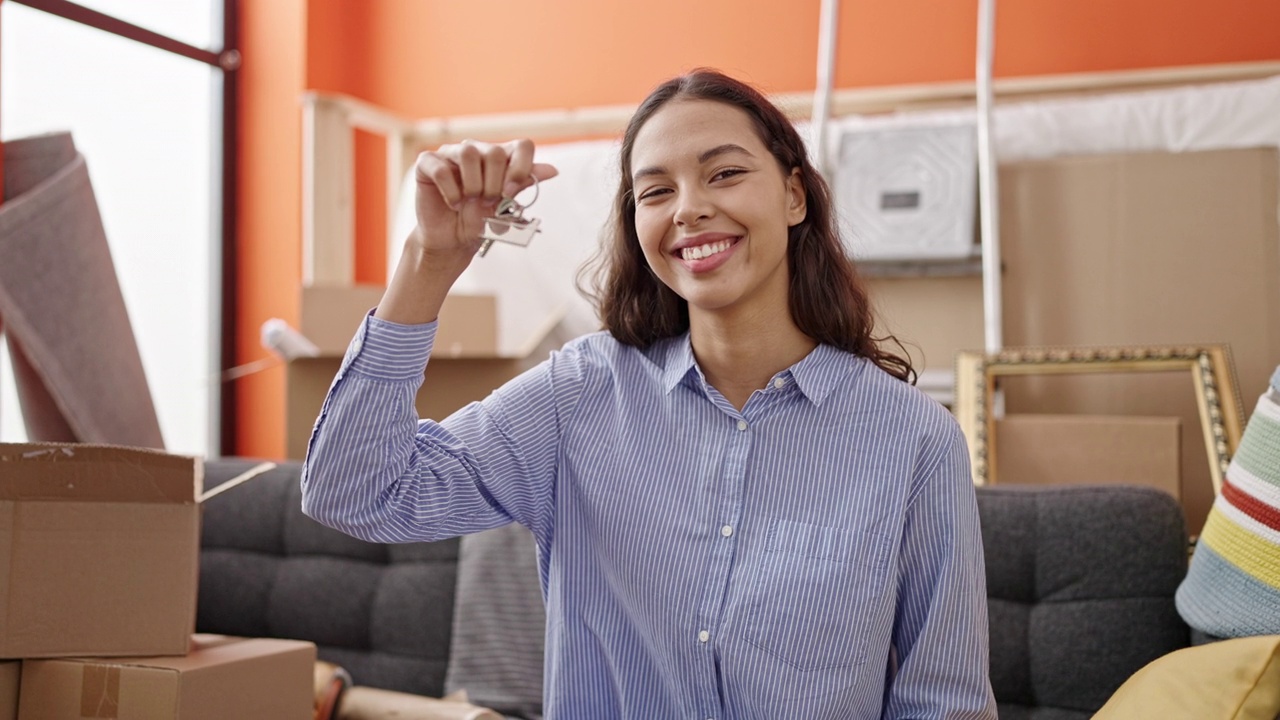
<point>330,315</point>
<point>466,363</point>
<point>10,678</point>
<point>1090,450</point>
<point>1143,249</point>
<point>221,678</point>
<point>99,550</point>
<point>450,384</point>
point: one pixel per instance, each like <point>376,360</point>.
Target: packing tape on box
<point>100,691</point>
<point>240,479</point>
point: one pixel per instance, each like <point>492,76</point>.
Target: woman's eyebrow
<point>646,172</point>
<point>703,156</point>
<point>706,155</point>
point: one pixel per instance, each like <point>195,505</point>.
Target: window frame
<point>226,60</point>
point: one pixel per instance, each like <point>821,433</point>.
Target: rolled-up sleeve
<point>374,470</point>
<point>941,635</point>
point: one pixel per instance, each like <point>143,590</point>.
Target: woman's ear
<point>796,208</point>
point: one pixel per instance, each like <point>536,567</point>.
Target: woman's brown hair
<point>827,300</point>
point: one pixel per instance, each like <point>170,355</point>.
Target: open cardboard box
<point>220,678</point>
<point>99,550</point>
<point>469,360</point>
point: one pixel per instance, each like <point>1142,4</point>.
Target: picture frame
<point>1210,368</point>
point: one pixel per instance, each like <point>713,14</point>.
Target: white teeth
<point>698,252</point>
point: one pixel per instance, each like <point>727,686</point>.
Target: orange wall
<point>269,229</point>
<point>425,58</point>
<point>440,57</point>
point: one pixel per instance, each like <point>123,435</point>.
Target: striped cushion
<point>499,623</point>
<point>1232,588</point>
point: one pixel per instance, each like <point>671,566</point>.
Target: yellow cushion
<point>1237,679</point>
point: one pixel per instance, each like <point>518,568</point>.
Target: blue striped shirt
<point>816,555</point>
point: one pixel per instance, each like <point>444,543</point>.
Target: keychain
<point>509,225</point>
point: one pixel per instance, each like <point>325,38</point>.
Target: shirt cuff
<point>391,351</point>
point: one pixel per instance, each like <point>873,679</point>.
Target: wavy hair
<point>828,301</point>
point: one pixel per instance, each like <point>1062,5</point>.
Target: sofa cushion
<point>500,625</point>
<point>1233,679</point>
<point>382,612</point>
<point>1080,586</point>
<point>1233,586</point>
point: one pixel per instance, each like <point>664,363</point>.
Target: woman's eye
<point>651,193</point>
<point>727,173</point>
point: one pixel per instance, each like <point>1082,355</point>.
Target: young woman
<point>743,509</point>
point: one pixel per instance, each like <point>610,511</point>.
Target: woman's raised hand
<point>459,185</point>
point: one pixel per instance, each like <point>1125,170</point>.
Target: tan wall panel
<point>1144,249</point>
<point>933,317</point>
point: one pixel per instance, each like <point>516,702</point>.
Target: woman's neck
<point>739,354</point>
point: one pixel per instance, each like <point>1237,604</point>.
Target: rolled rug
<point>1232,588</point>
<point>78,370</point>
<point>366,703</point>
<point>331,681</point>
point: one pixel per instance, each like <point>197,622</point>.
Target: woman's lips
<point>707,256</point>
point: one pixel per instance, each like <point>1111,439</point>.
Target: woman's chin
<point>709,300</point>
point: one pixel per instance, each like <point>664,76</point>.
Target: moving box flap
<point>99,473</point>
<point>206,651</point>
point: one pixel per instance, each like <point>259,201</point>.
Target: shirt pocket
<point>817,594</point>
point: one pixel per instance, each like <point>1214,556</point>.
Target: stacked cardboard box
<point>99,557</point>
<point>10,676</point>
<point>219,678</point>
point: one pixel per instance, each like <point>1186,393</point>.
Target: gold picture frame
<point>1210,367</point>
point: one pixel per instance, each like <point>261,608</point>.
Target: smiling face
<point>712,208</point>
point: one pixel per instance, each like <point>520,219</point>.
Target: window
<point>148,122</point>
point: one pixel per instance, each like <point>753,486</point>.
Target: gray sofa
<point>1080,582</point>
<point>1080,586</point>
<point>382,612</point>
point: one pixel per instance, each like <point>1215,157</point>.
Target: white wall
<point>144,119</point>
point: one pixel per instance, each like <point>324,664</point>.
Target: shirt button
<point>779,383</point>
<point>704,636</point>
<point>726,531</point>
<point>742,424</point>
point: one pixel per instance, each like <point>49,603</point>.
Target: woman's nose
<point>693,207</point>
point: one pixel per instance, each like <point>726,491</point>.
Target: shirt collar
<point>817,374</point>
<point>821,370</point>
<point>679,363</point>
